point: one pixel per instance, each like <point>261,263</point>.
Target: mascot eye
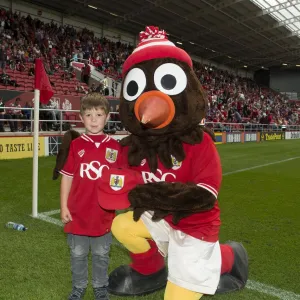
<point>134,84</point>
<point>170,79</point>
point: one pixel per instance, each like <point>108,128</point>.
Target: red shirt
<point>203,167</point>
<point>88,156</point>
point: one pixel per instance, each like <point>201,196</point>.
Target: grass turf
<point>259,208</point>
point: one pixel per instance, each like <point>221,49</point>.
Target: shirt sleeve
<point>69,167</point>
<point>207,170</point>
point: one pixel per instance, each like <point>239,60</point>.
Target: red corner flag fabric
<point>42,82</point>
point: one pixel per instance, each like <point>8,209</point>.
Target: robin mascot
<point>172,227</point>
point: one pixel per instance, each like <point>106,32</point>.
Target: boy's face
<point>94,120</point>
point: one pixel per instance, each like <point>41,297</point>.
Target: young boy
<point>87,224</point>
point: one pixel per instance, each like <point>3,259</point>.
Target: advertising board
<point>272,136</point>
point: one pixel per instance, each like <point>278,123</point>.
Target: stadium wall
<point>285,80</point>
<point>14,147</point>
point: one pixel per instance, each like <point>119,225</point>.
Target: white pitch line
<point>261,166</point>
<point>251,285</point>
<point>48,219</point>
<point>51,212</point>
<point>271,291</point>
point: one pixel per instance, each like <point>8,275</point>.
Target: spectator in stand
<point>48,117</point>
<point>264,119</point>
<point>99,88</point>
<point>3,58</point>
<point>17,115</point>
<point>6,80</point>
<point>92,88</point>
<point>5,116</point>
<point>237,116</point>
<point>86,73</point>
<point>80,89</point>
<point>68,74</point>
<point>31,70</point>
<point>27,116</point>
<point>104,82</point>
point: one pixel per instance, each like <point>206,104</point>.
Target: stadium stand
<point>232,99</point>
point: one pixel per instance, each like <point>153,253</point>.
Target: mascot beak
<point>154,109</point>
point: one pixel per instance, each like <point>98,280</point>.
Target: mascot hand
<point>63,152</point>
<point>178,199</point>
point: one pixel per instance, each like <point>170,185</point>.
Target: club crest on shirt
<point>176,164</point>
<point>111,155</point>
<point>116,182</point>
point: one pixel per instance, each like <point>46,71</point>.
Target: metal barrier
<point>59,117</point>
<point>61,114</point>
<point>249,127</point>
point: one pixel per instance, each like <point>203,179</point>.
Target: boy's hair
<point>94,100</point>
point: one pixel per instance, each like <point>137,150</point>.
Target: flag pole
<point>42,92</point>
<point>35,154</point>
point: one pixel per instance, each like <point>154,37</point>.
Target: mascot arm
<point>164,198</point>
<point>63,152</point>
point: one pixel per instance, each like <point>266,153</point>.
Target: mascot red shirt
<point>202,170</point>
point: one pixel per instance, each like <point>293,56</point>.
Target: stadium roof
<point>250,34</point>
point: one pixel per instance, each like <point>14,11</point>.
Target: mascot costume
<point>172,227</point>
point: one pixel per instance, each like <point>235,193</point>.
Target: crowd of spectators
<point>232,99</point>
<point>17,119</point>
<point>26,38</point>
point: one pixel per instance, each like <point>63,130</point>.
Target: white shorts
<point>193,264</point>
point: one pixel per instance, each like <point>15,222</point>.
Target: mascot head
<point>160,93</point>
<point>162,103</point>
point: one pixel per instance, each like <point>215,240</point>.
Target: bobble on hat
<point>152,32</point>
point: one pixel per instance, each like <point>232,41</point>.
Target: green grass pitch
<point>260,208</point>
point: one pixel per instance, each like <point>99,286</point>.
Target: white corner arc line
<point>271,291</point>
<point>48,219</point>
<point>51,212</point>
<point>261,166</point>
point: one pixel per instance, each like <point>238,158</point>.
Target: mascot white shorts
<point>192,264</point>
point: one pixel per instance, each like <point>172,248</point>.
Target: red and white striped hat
<point>153,44</point>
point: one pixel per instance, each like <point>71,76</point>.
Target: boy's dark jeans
<point>80,246</point>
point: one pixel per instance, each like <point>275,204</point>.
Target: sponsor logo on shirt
<point>111,155</point>
<point>116,182</point>
<point>92,170</point>
<point>158,177</point>
<point>176,164</point>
